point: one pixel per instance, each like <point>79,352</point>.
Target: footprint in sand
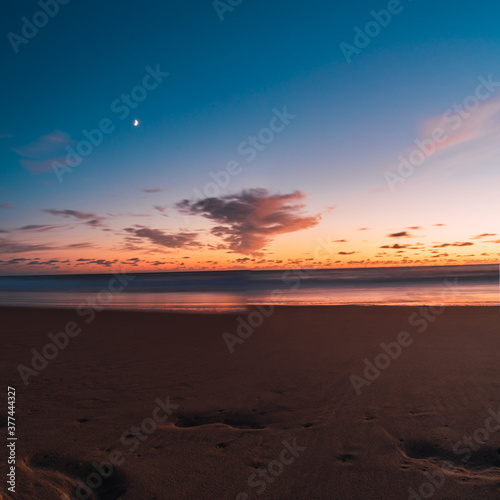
<point>347,458</point>
<point>484,462</point>
<point>235,419</point>
<point>51,476</point>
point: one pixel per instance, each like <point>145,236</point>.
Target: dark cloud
<point>402,234</point>
<point>94,222</point>
<point>364,229</point>
<point>161,208</point>
<point>249,220</point>
<point>456,244</point>
<point>80,245</point>
<point>31,262</point>
<point>346,253</point>
<point>99,262</point>
<point>90,218</point>
<point>8,246</point>
<point>103,262</point>
<point>6,206</point>
<point>484,235</point>
<point>181,239</point>
<point>414,228</point>
<point>152,190</point>
<point>70,213</point>
<point>11,262</point>
<point>38,227</point>
<point>396,246</point>
<point>46,263</point>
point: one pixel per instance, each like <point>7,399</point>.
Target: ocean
<point>217,291</point>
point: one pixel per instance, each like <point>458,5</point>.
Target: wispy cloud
<point>70,213</point>
<point>456,244</point>
<point>182,239</point>
<point>89,218</point>
<point>39,155</point>
<point>9,246</point>
<point>161,208</point>
<point>484,235</point>
<point>249,220</point>
<point>80,245</point>
<point>478,123</point>
<point>39,227</point>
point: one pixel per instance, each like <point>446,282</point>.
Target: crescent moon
<point>136,122</point>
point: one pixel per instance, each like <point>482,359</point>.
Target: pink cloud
<point>249,220</point>
<point>39,155</point>
<point>460,129</point>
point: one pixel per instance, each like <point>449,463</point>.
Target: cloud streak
<point>181,239</point>
<point>89,218</point>
<point>38,156</point>
<point>463,128</point>
<point>8,246</point>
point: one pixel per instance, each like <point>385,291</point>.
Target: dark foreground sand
<point>288,382</point>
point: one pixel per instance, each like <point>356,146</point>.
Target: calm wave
<point>233,290</point>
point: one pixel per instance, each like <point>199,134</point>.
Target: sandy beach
<point>313,403</point>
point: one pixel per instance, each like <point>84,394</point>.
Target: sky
<point>204,135</point>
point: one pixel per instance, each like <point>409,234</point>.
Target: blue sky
<point>353,120</point>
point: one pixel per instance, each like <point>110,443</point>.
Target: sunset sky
<point>317,138</point>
